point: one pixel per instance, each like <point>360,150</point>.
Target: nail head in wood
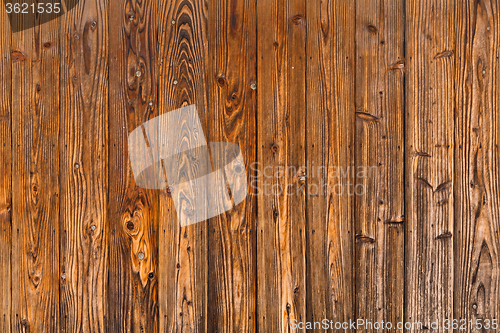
<point>253,86</point>
<point>138,73</point>
<point>63,276</point>
<point>175,82</point>
<point>140,256</point>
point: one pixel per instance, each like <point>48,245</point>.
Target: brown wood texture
<point>232,118</point>
<point>477,126</point>
<point>430,65</point>
<point>35,177</point>
<point>83,168</point>
<point>182,81</point>
<point>379,212</point>
<point>281,116</point>
<point>330,144</point>
<point>133,211</point>
<point>369,131</point>
<point>5,175</point>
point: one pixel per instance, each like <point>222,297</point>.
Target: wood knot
<point>298,19</point>
<point>373,29</point>
<point>130,225</point>
<point>151,275</point>
<point>18,56</point>
<point>274,148</point>
<point>24,322</point>
<point>47,45</point>
<point>364,239</point>
<point>221,80</point>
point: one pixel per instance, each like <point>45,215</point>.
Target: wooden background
<point>412,87</point>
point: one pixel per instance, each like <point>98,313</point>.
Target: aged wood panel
<point>232,102</point>
<point>379,165</point>
<point>35,164</point>
<point>430,31</point>
<point>5,174</point>
<point>182,81</point>
<point>133,267</point>
<point>477,197</point>
<point>83,168</point>
<point>281,115</point>
<point>330,138</point>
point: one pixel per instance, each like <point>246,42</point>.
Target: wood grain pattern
<point>133,270</point>
<point>35,165</point>
<point>5,175</point>
<point>379,213</point>
<point>311,91</point>
<point>430,27</point>
<point>83,168</point>
<point>281,115</point>
<point>182,54</point>
<point>330,147</point>
<point>477,173</point>
<point>232,102</point>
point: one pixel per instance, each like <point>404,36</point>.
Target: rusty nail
<point>140,255</point>
<point>253,86</point>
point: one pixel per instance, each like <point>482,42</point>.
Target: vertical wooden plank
<point>330,148</point>
<point>35,189</point>
<point>379,166</point>
<point>281,145</point>
<point>477,219</point>
<point>182,54</point>
<point>430,27</point>
<point>133,292</point>
<point>5,174</point>
<point>232,247</point>
<point>83,163</point>
<point>133,210</point>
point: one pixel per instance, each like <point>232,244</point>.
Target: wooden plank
<point>281,234</point>
<point>83,163</point>
<point>35,165</point>
<point>182,54</point>
<point>430,90</point>
<point>5,174</point>
<point>133,271</point>
<point>379,166</point>
<point>330,138</point>
<point>232,238</point>
<point>477,216</point>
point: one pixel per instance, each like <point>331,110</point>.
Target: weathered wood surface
<point>430,91</point>
<point>133,211</point>
<point>5,175</point>
<point>311,91</point>
<point>83,172</point>
<point>379,213</point>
